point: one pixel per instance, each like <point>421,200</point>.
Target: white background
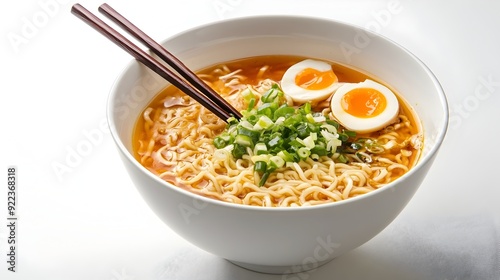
<point>80,217</point>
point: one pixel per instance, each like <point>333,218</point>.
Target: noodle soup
<point>174,139</point>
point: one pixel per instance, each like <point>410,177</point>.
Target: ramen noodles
<point>312,132</point>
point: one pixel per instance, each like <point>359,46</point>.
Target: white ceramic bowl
<point>279,240</point>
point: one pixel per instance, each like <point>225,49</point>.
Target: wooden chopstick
<point>166,56</point>
<point>146,59</point>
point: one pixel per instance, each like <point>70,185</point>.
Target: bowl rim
<point>424,158</point>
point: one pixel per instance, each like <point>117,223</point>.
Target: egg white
<point>302,95</point>
<point>364,125</point>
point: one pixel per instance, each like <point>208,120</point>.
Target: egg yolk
<point>313,79</point>
<point>364,102</point>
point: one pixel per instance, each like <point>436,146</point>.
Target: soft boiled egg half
<point>309,80</point>
<point>364,107</point>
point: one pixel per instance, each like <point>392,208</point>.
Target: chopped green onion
<point>319,119</point>
<point>264,177</point>
<point>310,117</point>
<point>251,104</point>
<point>373,146</point>
<point>303,153</point>
<point>286,156</point>
<point>238,151</point>
<point>343,137</point>
<point>356,146</point>
<point>277,135</point>
<point>309,141</point>
<point>232,121</point>
<point>307,108</point>
<point>319,150</point>
<point>342,158</point>
<point>280,121</point>
<point>267,109</point>
<point>303,130</point>
<point>260,148</point>
<point>275,141</point>
<point>263,157</point>
<point>330,128</point>
<point>253,134</point>
<point>334,123</point>
<point>333,144</point>
<point>273,93</point>
<point>293,120</point>
<point>219,143</point>
<point>246,124</point>
<point>263,123</point>
<point>247,94</point>
<point>243,140</point>
<point>260,166</point>
<point>349,133</point>
<point>283,111</point>
<point>226,137</point>
<point>276,161</point>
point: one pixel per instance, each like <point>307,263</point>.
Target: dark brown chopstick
<point>166,56</point>
<point>150,62</point>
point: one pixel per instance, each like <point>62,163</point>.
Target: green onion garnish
<point>278,134</point>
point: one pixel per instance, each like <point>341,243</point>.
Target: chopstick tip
<point>77,9</point>
<point>103,7</point>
